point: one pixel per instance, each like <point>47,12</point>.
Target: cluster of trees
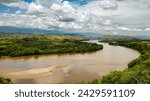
<point>142,46</point>
<point>44,44</point>
<point>5,81</point>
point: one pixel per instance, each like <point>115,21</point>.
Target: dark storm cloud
<point>67,19</point>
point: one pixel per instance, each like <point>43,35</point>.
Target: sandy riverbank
<point>32,73</point>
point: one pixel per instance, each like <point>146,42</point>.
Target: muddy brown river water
<point>67,68</point>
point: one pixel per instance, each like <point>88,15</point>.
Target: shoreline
<point>32,73</point>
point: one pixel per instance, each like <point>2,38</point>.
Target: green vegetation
<point>24,45</point>
<point>116,38</point>
<point>138,71</point>
<point>5,81</point>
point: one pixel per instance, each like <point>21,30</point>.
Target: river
<point>67,68</point>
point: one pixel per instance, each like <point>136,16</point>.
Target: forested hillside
<point>116,38</point>
<point>24,45</point>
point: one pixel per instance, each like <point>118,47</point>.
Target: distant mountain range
<point>116,38</point>
<point>146,37</point>
<point>8,29</point>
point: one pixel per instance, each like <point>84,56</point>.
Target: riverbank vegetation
<point>5,81</point>
<point>138,71</point>
<point>24,44</point>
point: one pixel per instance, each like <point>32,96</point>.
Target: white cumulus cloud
<point>100,16</point>
<point>15,3</point>
<point>108,4</point>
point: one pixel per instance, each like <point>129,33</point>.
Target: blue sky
<point>127,17</point>
<point>29,1</point>
<point>13,9</point>
<point>82,2</point>
<point>6,9</point>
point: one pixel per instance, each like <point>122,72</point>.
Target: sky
<point>117,17</point>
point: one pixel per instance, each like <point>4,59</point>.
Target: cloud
<point>105,16</point>
<point>115,33</point>
<point>18,12</point>
<point>121,0</point>
<point>35,9</point>
<point>108,4</point>
<point>65,8</point>
<point>64,13</point>
<point>37,16</point>
<point>65,19</point>
<point>47,3</point>
<point>147,29</point>
<point>107,22</point>
<point>9,1</point>
<point>15,3</point>
<point>127,29</point>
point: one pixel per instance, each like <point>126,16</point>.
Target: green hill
<point>116,38</point>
